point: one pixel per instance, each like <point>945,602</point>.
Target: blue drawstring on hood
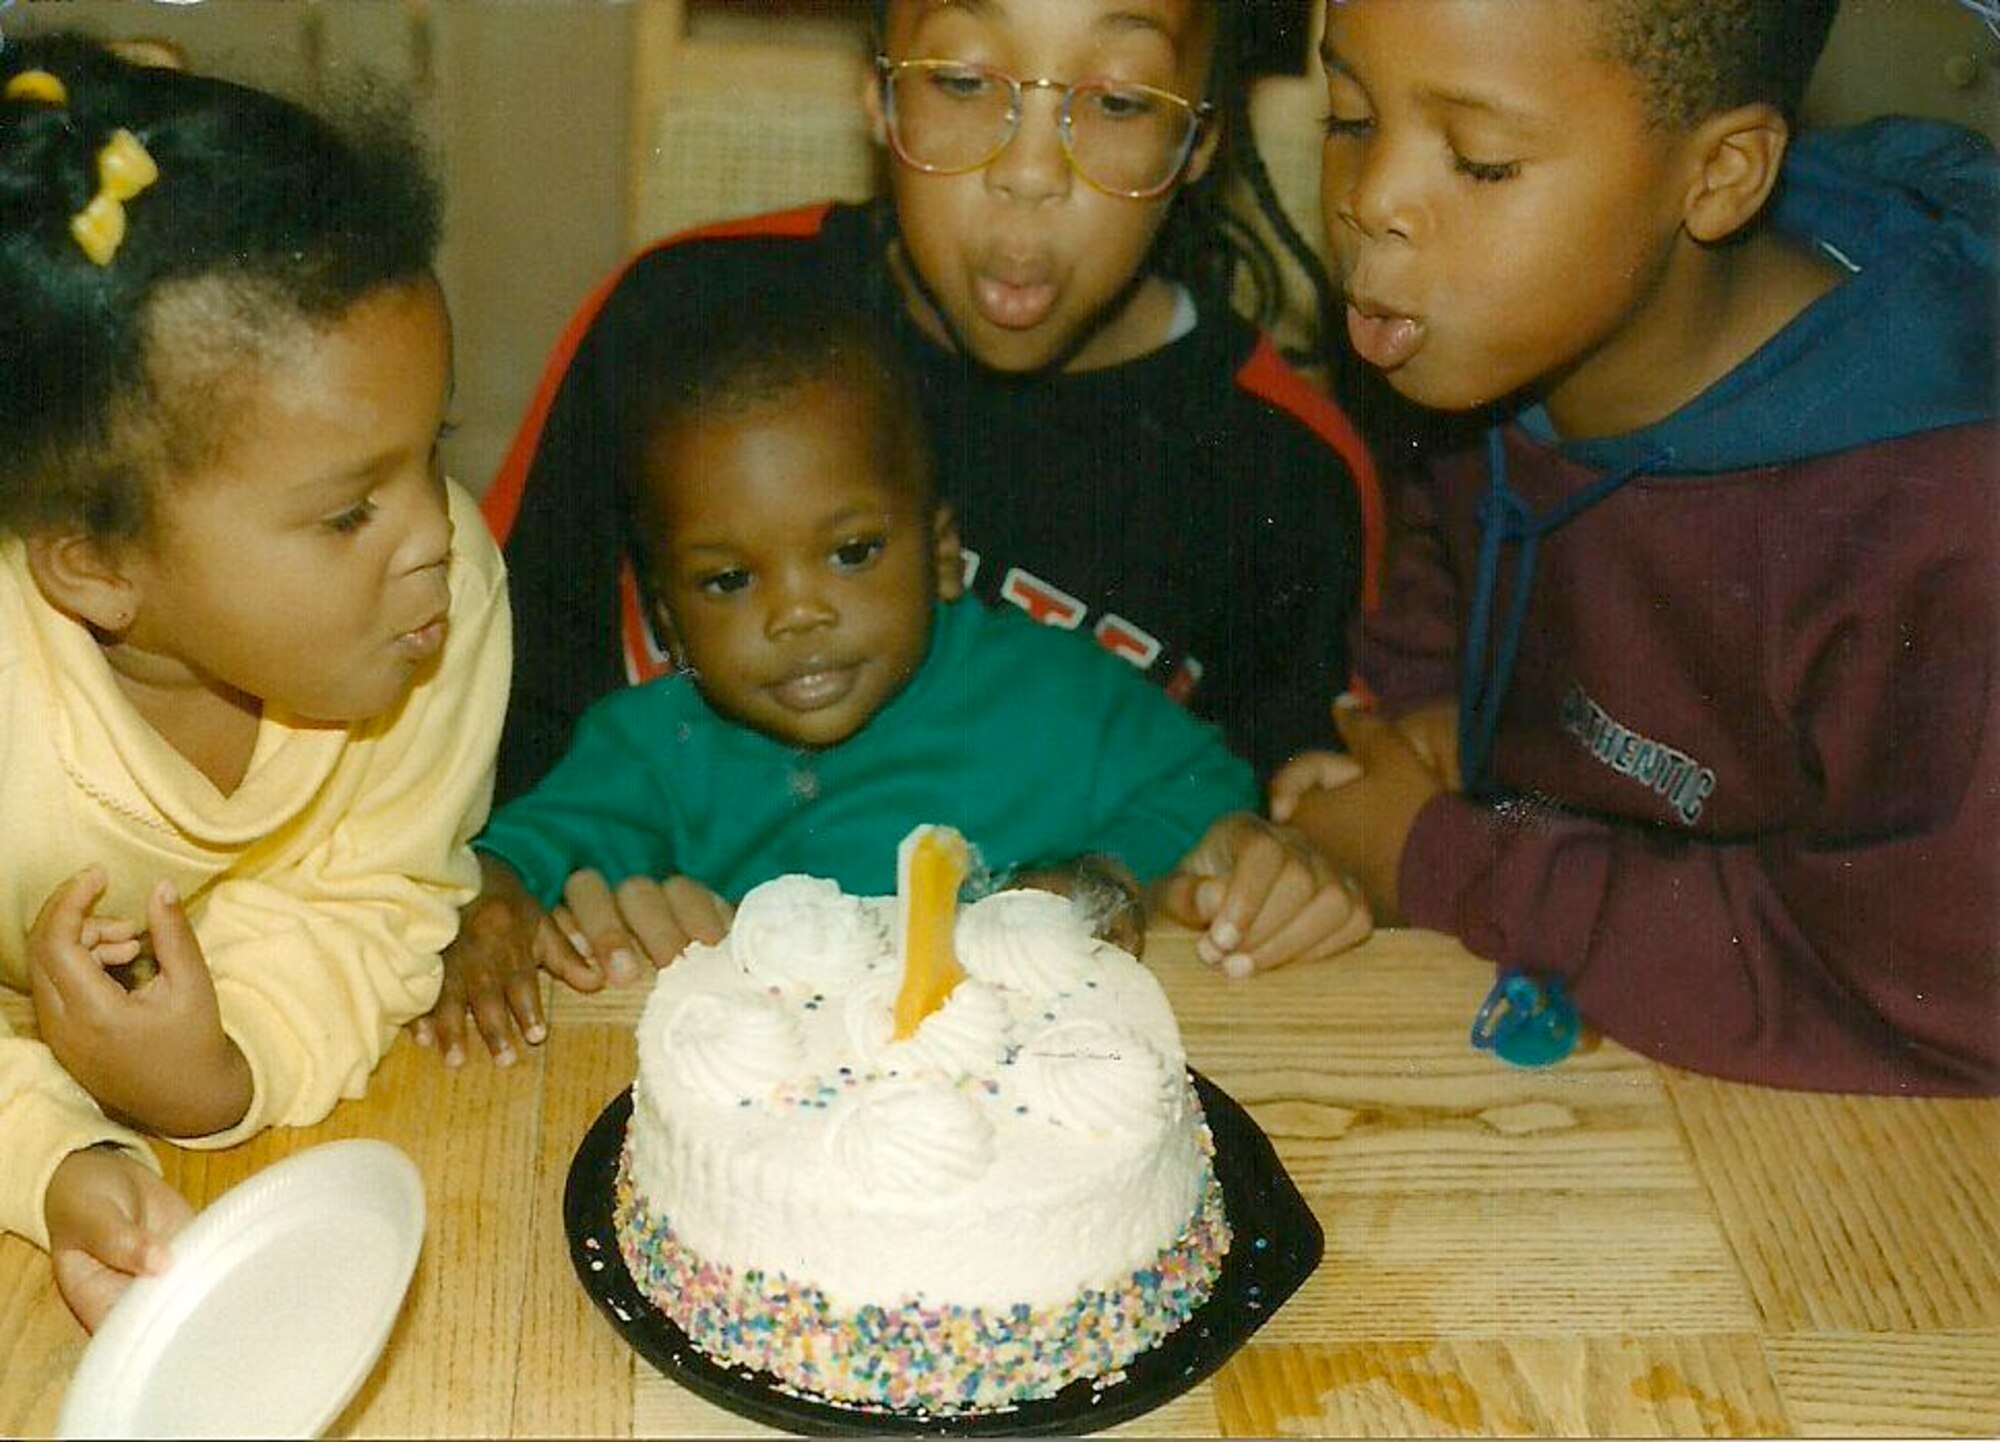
<point>1505,519</point>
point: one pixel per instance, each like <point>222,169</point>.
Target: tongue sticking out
<point>931,865</point>
<point>1014,305</point>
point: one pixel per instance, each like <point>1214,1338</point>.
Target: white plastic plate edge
<point>360,1173</point>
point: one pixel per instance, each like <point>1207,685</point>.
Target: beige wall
<point>530,99</point>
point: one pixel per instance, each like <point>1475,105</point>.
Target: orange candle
<point>931,865</point>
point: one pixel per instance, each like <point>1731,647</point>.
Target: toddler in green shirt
<point>834,687</point>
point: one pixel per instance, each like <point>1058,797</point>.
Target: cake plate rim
<point>1276,1244</point>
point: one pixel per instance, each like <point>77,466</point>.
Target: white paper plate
<point>279,1300</point>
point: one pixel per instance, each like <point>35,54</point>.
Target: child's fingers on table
<point>445,1025</point>
<point>1294,891</point>
<point>523,991</point>
<point>703,915</point>
<point>565,922</point>
<point>649,914</point>
<point>1258,868</point>
<point>595,915</point>
<point>556,952</point>
<point>1328,924</point>
<point>1179,897</point>
<point>493,1018</point>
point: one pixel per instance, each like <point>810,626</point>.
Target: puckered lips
<point>420,643</point>
<point>1383,337</point>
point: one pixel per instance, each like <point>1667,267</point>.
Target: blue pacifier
<point>1525,1021</point>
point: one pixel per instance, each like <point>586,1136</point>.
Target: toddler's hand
<point>1263,897</point>
<point>642,925</point>
<point>155,1055</point>
<point>1104,887</point>
<point>492,971</point>
<point>109,1219</point>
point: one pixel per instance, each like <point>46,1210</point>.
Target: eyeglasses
<point>947,117</point>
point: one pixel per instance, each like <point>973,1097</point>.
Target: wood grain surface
<point>1603,1247</point>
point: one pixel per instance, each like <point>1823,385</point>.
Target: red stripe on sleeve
<point>1267,376</point>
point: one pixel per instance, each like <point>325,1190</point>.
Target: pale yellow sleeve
<point>319,963</point>
<point>44,1116</point>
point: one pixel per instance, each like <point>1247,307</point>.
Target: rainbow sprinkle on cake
<point>913,1357</point>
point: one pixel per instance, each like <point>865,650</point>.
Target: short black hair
<point>1699,57</point>
<point>271,216</point>
<point>751,352</point>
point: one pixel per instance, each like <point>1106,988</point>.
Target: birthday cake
<point>911,1157</point>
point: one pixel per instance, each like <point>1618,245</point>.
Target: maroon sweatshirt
<point>1743,792</point>
<point>1748,762</point>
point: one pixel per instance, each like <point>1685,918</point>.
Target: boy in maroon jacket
<point>1686,687</point>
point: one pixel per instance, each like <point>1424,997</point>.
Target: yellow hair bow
<point>37,85</point>
<point>123,170</point>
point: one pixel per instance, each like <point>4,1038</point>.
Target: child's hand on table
<point>155,1055</point>
<point>492,971</point>
<point>109,1219</point>
<point>631,932</point>
<point>1262,897</point>
<point>1358,808</point>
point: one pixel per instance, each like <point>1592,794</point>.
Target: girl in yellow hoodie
<point>253,645</point>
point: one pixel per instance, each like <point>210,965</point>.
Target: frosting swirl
<point>803,931</point>
<point>913,1136</point>
<point>1027,940</point>
<point>727,1045</point>
<point>1098,1078</point>
<point>967,1036</point>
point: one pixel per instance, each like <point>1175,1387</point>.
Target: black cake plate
<point>1275,1244</point>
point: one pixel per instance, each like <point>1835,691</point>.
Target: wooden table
<point>1604,1247</point>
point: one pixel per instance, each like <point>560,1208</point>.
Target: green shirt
<point>1037,744</point>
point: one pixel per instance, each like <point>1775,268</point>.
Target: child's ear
<point>949,554</point>
<point>871,105</point>
<point>1738,154</point>
<point>81,575</point>
<point>1205,147</point>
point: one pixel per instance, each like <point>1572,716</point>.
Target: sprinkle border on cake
<point>914,1357</point>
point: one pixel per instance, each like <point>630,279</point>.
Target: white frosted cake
<point>1016,1194</point>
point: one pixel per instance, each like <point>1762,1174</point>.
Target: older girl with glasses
<point>1126,455</point>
